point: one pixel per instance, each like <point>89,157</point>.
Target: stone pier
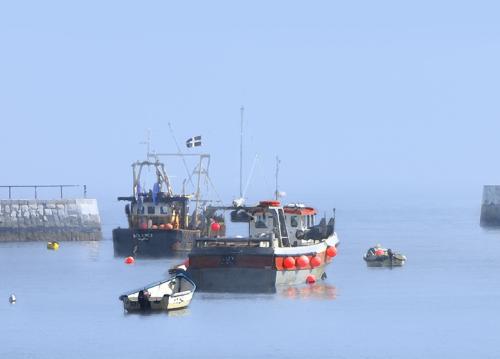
<point>490,207</point>
<point>49,220</point>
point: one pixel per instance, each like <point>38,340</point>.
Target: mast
<point>197,196</point>
<point>147,143</point>
<point>242,109</point>
<point>277,194</point>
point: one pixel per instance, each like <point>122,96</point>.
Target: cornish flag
<point>193,142</point>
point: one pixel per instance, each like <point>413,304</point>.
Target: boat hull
<point>152,242</point>
<point>385,261</point>
<point>172,302</point>
<point>249,280</point>
<point>253,270</point>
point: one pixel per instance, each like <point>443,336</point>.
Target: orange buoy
<point>169,226</point>
<point>215,227</point>
<point>310,279</point>
<point>331,251</point>
<point>289,262</point>
<point>129,260</point>
<point>316,261</point>
<point>302,261</point>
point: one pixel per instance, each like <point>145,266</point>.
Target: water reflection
<point>179,312</point>
<point>233,296</point>
<point>93,248</point>
<point>321,291</point>
<point>170,313</point>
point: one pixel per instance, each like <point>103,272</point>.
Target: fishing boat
<point>269,256</point>
<point>173,293</point>
<point>382,257</point>
<point>159,221</point>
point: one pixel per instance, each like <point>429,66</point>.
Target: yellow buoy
<point>53,245</point>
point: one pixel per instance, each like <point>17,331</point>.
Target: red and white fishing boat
<point>284,246</point>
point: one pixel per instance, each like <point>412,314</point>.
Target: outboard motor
<point>143,301</point>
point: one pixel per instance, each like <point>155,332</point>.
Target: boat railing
<point>36,187</point>
<point>233,242</point>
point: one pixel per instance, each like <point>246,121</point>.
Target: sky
<point>361,100</point>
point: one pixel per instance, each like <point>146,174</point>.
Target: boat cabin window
<point>293,221</point>
<point>260,221</point>
<point>151,210</point>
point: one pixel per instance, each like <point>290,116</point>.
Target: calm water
<point>445,303</point>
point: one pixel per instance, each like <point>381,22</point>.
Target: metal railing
<point>36,187</point>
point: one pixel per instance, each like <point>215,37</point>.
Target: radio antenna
<point>242,109</point>
<point>277,193</point>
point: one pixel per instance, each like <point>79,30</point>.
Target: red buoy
<point>379,252</point>
<point>161,226</point>
<point>215,227</point>
<point>310,279</point>
<point>129,260</point>
<point>154,226</point>
<point>315,261</point>
<point>169,226</point>
<point>331,251</point>
<point>302,261</point>
<point>289,262</point>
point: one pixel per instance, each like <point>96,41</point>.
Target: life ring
<point>270,203</point>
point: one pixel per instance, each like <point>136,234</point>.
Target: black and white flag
<point>193,142</point>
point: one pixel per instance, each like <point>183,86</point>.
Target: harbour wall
<point>49,220</point>
<point>490,206</point>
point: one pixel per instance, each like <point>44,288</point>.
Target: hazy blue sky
<point>356,97</point>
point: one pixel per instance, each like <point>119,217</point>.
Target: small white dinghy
<point>173,293</point>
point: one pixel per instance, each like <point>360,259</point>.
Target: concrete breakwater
<point>46,220</point>
<point>490,206</point>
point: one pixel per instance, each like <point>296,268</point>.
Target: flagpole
<point>241,152</point>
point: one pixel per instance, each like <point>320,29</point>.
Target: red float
<point>215,227</point>
<point>154,226</point>
<point>161,226</point>
<point>310,279</point>
<point>315,261</point>
<point>129,260</point>
<point>302,261</point>
<point>331,251</point>
<point>169,226</point>
<point>379,252</point>
<point>289,263</point>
